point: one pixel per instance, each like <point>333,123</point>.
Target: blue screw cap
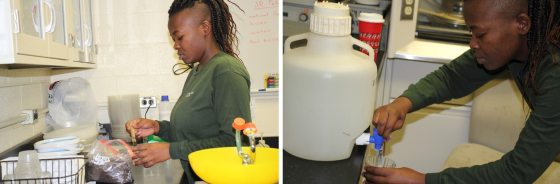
<point>165,98</point>
<point>376,139</point>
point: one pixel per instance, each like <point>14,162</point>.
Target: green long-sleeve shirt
<point>211,98</point>
<point>539,141</point>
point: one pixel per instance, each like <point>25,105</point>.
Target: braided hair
<point>224,28</point>
<point>544,31</point>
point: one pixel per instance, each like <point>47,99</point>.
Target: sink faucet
<point>249,129</point>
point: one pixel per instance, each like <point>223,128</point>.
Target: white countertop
<point>432,51</point>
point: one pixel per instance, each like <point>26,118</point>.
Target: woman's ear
<point>206,27</point>
<point>523,23</point>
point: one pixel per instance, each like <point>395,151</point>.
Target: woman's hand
<point>143,127</point>
<point>393,175</point>
<point>390,117</point>
<point>150,154</point>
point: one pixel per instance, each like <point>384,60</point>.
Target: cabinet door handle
<point>36,8</point>
<point>49,28</point>
<point>72,40</point>
<point>16,21</point>
<point>88,36</point>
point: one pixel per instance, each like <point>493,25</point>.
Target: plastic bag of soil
<point>110,161</point>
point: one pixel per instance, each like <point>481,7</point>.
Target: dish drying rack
<point>69,170</point>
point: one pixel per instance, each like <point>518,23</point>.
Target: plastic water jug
<point>328,87</point>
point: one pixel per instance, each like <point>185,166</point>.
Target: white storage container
<point>328,89</point>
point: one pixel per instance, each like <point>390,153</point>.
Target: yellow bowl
<point>223,165</point>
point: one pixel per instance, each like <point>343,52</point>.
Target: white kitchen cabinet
<point>89,45</point>
<point>81,31</point>
<point>429,134</point>
<point>29,29</point>
<point>38,33</point>
<point>56,29</point>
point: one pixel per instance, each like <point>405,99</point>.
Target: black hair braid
<point>545,30</point>
<point>218,29</point>
<point>224,28</point>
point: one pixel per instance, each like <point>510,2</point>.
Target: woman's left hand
<point>150,154</point>
<point>393,175</point>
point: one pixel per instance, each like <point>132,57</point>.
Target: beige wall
<point>19,90</point>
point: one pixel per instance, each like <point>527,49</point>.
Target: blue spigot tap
<point>377,141</point>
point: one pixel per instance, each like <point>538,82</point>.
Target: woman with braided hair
<point>519,37</point>
<point>216,90</point>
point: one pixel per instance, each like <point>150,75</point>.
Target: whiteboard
<point>258,37</point>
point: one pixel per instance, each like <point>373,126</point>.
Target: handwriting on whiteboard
<point>263,22</point>
<point>263,4</point>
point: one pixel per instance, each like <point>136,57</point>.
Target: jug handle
<point>294,38</point>
<point>363,45</point>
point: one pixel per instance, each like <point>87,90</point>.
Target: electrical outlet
<point>30,116</point>
<point>407,10</point>
<point>148,101</point>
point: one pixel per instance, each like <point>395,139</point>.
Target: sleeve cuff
<point>431,178</point>
<point>415,98</point>
<point>175,151</point>
<point>164,127</point>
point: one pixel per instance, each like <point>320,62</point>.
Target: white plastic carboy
<point>328,87</point>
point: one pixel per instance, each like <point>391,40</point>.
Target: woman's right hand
<point>390,117</point>
<point>143,127</point>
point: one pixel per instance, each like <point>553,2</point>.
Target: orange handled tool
<point>238,123</point>
<point>241,125</point>
<point>250,128</point>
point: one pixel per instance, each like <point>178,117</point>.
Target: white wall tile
<point>44,94</point>
<point>10,97</point>
<point>39,125</point>
<point>21,133</point>
<point>6,137</point>
<point>22,76</point>
<point>15,134</point>
<point>156,32</point>
<point>3,77</point>
<point>132,6</point>
<point>103,87</point>
<point>41,79</point>
<point>32,96</point>
<point>120,23</point>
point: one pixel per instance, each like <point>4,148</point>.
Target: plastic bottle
<point>328,89</point>
<point>165,108</point>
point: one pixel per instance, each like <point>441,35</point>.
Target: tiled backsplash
<point>135,53</point>
<point>21,89</point>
